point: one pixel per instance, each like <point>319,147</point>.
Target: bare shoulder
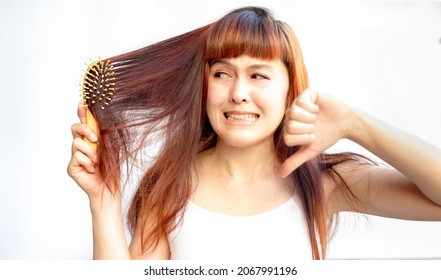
<point>376,190</point>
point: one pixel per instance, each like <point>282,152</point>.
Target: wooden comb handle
<point>91,122</point>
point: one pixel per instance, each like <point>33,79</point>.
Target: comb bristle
<point>98,84</point>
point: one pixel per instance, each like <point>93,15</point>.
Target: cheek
<point>275,103</point>
<point>214,101</point>
<point>278,109</point>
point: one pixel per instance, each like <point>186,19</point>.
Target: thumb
<point>310,94</point>
<point>308,100</point>
<point>295,161</point>
<point>81,112</point>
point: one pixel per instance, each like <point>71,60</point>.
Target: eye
<point>221,75</point>
<point>258,76</point>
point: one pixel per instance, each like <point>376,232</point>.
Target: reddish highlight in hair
<point>254,32</point>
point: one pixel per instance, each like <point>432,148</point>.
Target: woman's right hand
<point>82,163</point>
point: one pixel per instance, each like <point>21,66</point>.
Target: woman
<point>241,172</point>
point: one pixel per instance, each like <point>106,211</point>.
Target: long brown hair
<point>161,89</point>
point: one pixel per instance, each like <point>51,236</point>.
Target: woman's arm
<point>418,160</point>
<point>109,240</point>
<point>412,190</point>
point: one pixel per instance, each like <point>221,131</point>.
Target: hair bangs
<point>246,32</point>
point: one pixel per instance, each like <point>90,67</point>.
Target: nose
<point>240,92</point>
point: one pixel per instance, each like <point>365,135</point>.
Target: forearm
<point>416,159</point>
<point>109,240</point>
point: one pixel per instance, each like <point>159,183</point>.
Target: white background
<point>384,57</point>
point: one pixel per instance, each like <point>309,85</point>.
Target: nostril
<point>238,100</point>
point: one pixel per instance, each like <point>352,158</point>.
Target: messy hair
<point>162,89</point>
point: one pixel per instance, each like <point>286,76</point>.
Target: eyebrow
<point>255,66</point>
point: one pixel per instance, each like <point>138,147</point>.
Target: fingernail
<point>93,137</point>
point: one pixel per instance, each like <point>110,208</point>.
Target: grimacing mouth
<point>241,116</point>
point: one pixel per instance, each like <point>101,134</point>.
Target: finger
<point>80,130</point>
<point>295,127</point>
<point>307,100</point>
<point>298,139</point>
<point>77,130</point>
<point>80,159</point>
<point>300,114</point>
<point>295,161</point>
<point>81,112</point>
<point>79,145</point>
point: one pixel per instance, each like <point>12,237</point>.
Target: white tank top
<point>278,234</point>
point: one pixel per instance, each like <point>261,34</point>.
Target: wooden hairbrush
<point>97,89</point>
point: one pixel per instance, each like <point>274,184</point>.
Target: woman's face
<point>246,99</point>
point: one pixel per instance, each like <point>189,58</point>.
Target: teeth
<point>240,117</point>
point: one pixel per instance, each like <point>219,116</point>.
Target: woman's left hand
<point>315,122</point>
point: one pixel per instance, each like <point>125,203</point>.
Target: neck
<point>254,162</point>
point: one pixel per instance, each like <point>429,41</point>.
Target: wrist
<point>360,128</point>
<point>105,202</point>
<point>355,126</point>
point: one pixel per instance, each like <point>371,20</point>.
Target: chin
<point>244,141</point>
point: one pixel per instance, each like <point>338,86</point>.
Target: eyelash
<point>218,74</point>
<point>253,76</point>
